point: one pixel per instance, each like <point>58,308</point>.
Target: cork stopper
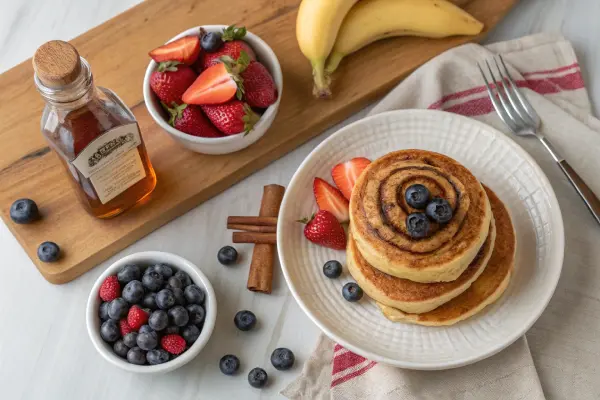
<point>56,63</point>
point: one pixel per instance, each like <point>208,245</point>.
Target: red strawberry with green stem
<point>184,50</point>
<point>233,46</point>
<point>325,230</point>
<point>232,117</point>
<point>191,120</point>
<point>255,81</point>
<point>345,174</point>
<point>331,199</point>
<point>170,81</point>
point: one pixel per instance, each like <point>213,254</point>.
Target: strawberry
<point>185,50</point>
<point>232,47</point>
<point>110,288</point>
<point>232,117</point>
<point>331,199</point>
<point>345,174</point>
<point>170,81</point>
<point>174,344</point>
<point>215,85</point>
<point>325,230</point>
<point>136,317</point>
<point>191,120</point>
<point>125,328</point>
<point>255,81</point>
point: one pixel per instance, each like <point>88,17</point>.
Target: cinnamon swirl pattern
<point>378,212</point>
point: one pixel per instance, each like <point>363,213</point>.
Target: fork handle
<point>590,199</point>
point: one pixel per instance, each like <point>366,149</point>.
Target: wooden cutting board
<point>117,51</point>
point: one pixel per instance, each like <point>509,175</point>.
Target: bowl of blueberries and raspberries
<point>151,312</point>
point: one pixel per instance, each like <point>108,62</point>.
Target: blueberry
<point>149,301</point>
<point>129,273</point>
<point>417,225</point>
<point>179,297</point>
<point>118,308</point>
<point>282,359</point>
<point>172,330</point>
<point>193,294</point>
<point>190,333</point>
<point>133,292</point>
<point>130,339</point>
<point>147,341</point>
<point>184,278</point>
<point>417,196</point>
<point>153,281</point>
<point>109,331</point>
<point>178,316</point>
<point>332,269</point>
<point>24,211</point>
<point>227,255</point>
<point>165,299</point>
<point>147,329</point>
<point>165,270</point>
<point>158,320</point>
<point>244,320</point>
<point>136,356</point>
<point>151,268</point>
<point>439,210</point>
<point>257,378</point>
<point>211,42</point>
<point>352,292</point>
<point>174,283</point>
<point>103,311</point>
<point>120,349</point>
<point>48,252</point>
<point>157,356</point>
<point>196,313</point>
<point>229,364</point>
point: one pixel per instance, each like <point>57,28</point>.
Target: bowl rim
<point>177,261</point>
<point>265,117</point>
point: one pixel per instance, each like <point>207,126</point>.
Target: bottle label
<point>112,161</point>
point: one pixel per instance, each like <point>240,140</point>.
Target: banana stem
<point>333,62</point>
<point>321,88</point>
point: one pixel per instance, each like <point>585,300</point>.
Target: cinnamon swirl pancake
<point>378,211</point>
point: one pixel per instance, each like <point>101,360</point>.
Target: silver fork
<point>520,117</point>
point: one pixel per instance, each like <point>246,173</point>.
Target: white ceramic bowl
<point>227,144</point>
<point>148,258</point>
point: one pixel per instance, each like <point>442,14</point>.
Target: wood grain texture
<point>117,51</point>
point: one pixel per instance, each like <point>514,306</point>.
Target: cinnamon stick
<point>254,237</point>
<point>252,228</point>
<point>259,221</point>
<point>260,277</point>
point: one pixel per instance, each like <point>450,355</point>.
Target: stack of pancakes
<point>448,276</point>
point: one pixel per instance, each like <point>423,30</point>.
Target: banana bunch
<point>329,30</point>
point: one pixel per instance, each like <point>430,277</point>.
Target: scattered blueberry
<point>439,210</point>
<point>179,297</point>
<point>147,341</point>
<point>103,311</point>
<point>48,252</point>
<point>196,313</point>
<point>227,255</point>
<point>118,308</point>
<point>183,277</point>
<point>165,299</point>
<point>157,356</point>
<point>146,329</point>
<point>175,283</point>
<point>129,273</point>
<point>211,42</point>
<point>229,364</point>
<point>165,270</point>
<point>417,196</point>
<point>282,359</point>
<point>158,320</point>
<point>133,292</point>
<point>178,316</point>
<point>109,331</point>
<point>153,281</point>
<point>136,356</point>
<point>149,301</point>
<point>193,294</point>
<point>257,378</point>
<point>190,333</point>
<point>244,320</point>
<point>172,330</point>
<point>24,211</point>
<point>352,292</point>
<point>332,269</point>
<point>120,348</point>
<point>130,339</point>
<point>417,225</point>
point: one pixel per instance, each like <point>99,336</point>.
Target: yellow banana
<point>316,29</point>
<point>371,20</point>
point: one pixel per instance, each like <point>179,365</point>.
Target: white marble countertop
<point>45,352</point>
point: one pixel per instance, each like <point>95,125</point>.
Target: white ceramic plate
<point>499,163</point>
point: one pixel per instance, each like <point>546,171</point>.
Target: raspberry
<point>174,344</point>
<point>136,317</point>
<point>110,288</point>
<point>125,328</point>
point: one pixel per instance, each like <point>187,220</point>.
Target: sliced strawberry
<point>330,199</point>
<point>346,174</point>
<point>215,85</point>
<point>185,50</point>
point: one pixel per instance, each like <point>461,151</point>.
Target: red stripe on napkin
<point>353,374</point>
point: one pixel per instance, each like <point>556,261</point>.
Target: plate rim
<point>459,362</point>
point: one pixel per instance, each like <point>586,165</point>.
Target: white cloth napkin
<point>565,339</point>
